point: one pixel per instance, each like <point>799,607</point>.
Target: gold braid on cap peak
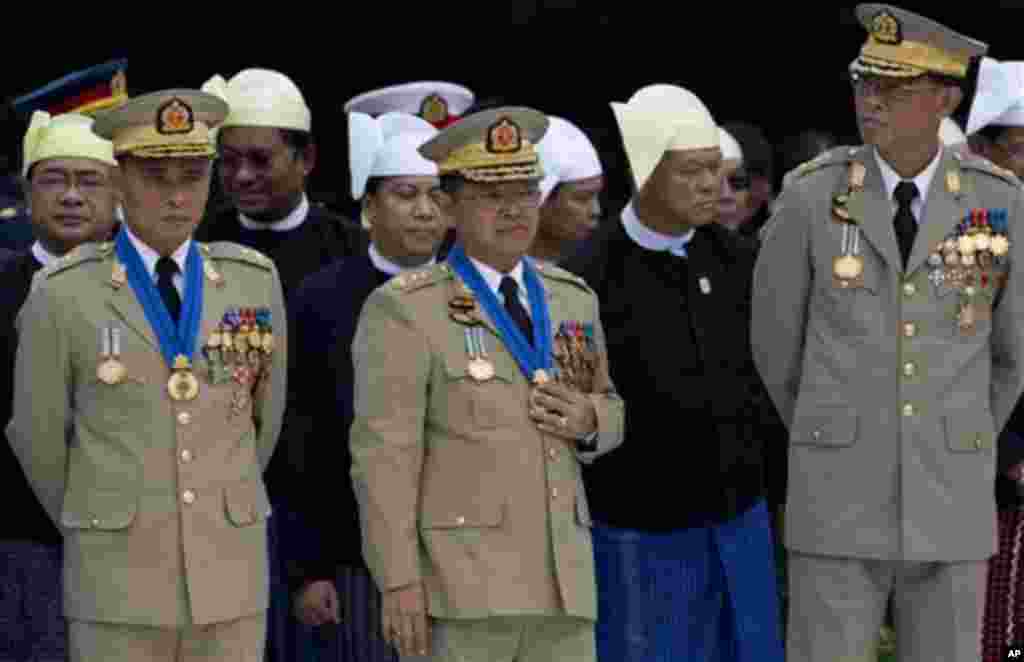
<point>146,142</point>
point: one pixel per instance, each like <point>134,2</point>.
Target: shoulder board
<point>833,157</point>
<point>80,255</point>
<point>558,273</point>
<point>982,164</point>
<point>419,278</point>
<point>226,250</point>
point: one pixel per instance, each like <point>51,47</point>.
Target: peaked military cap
<point>87,92</point>
<point>494,145</point>
<point>168,123</point>
<point>902,44</point>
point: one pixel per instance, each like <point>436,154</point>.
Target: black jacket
<point>326,314</point>
<point>26,519</point>
<point>679,349</point>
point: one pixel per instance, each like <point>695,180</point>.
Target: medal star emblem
<point>885,28</point>
<point>434,109</point>
<point>174,117</point>
<point>504,137</point>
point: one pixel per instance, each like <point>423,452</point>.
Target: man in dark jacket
<point>681,532</point>
<point>267,153</point>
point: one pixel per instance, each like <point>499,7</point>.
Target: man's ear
<point>309,159</point>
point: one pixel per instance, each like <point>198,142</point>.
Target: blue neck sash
<point>529,357</point>
<point>174,341</point>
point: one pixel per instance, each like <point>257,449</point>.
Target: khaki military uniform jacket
<point>457,487</point>
<point>893,410</point>
<point>161,503</point>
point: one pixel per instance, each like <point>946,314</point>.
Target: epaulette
<point>982,164</point>
<point>557,273</point>
<point>79,255</point>
<point>416,279</point>
<point>836,156</point>
<point>226,250</point>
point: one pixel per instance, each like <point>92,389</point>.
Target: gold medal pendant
<point>111,372</point>
<point>481,369</point>
<point>848,271</point>
<point>182,384</point>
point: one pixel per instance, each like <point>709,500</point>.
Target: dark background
<point>780,66</point>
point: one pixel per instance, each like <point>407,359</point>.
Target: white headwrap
<point>261,97</point>
<point>387,146</point>
<point>67,136</point>
<point>566,154</point>
<point>731,150</point>
<point>999,98</point>
<point>659,118</point>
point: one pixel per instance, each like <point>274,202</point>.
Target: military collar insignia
<point>885,28</point>
<point>174,117</point>
<point>434,109</point>
<point>504,137</point>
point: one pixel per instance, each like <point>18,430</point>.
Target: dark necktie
<point>904,222</point>
<point>166,268</point>
<point>510,290</point>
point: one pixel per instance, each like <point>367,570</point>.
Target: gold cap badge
<point>175,116</point>
<point>434,109</point>
<point>504,137</point>
<point>885,28</point>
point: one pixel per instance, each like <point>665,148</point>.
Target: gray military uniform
<point>893,406</point>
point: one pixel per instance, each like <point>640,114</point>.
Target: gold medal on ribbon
<point>111,372</point>
<point>480,369</point>
<point>182,384</point>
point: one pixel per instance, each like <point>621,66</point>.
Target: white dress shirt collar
<point>493,279</point>
<point>293,220</point>
<point>43,256</point>
<point>150,257</point>
<point>385,265</point>
<point>923,180</point>
<point>650,239</point>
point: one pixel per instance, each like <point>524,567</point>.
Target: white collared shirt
<point>293,220</point>
<point>385,265</point>
<point>651,240</point>
<point>150,256</point>
<point>493,279</point>
<point>43,256</point>
<point>923,180</point>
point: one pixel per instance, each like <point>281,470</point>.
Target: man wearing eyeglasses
<point>885,325</point>
<point>481,384</point>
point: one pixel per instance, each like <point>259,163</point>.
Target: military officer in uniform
<point>150,380</point>
<point>886,327</point>
<point>481,383</point>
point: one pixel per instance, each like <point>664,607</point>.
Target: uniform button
<point>978,443</point>
<point>816,434</point>
<point>554,493</point>
<point>909,329</point>
<point>908,409</point>
<point>95,522</point>
<point>909,289</point>
<point>186,456</point>
<point>460,520</point>
<point>909,369</point>
<point>552,453</point>
<point>184,418</point>
<point>189,497</point>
